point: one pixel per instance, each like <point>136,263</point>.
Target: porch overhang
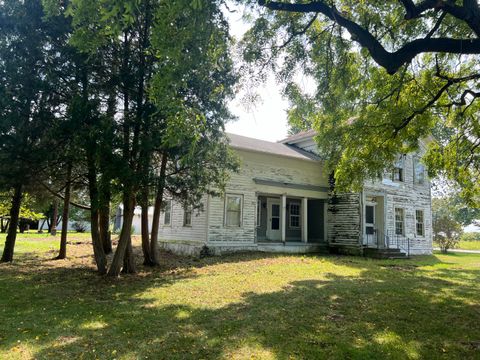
<point>288,185</point>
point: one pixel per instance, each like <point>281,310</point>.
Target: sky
<point>267,119</point>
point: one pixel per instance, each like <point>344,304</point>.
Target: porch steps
<point>384,253</point>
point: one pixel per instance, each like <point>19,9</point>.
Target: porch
<point>287,221</point>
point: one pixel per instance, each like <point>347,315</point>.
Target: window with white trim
<point>187,216</point>
<point>418,171</point>
<point>419,222</point>
<point>233,210</point>
<point>167,217</point>
<point>294,215</point>
<point>398,169</point>
<point>399,221</point>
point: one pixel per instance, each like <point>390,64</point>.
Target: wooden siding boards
<point>278,170</point>
<point>410,197</point>
<point>343,220</point>
<point>177,232</point>
<point>344,225</point>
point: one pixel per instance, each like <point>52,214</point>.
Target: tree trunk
<point>43,224</point>
<point>105,234</point>
<point>53,230</point>
<point>12,230</point>
<point>62,254</point>
<point>104,214</point>
<point>123,254</point>
<point>156,212</point>
<point>98,252</point>
<point>147,260</point>
<point>129,259</point>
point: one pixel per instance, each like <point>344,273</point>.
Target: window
<point>294,215</point>
<point>187,216</point>
<point>418,171</point>
<point>420,224</point>
<point>398,173</point>
<point>233,210</point>
<point>399,221</point>
<point>275,224</point>
<point>370,214</point>
<point>167,213</point>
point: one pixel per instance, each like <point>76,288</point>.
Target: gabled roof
<point>276,148</point>
<point>299,136</point>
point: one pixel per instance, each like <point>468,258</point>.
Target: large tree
<point>169,71</point>
<point>29,101</point>
<point>385,74</point>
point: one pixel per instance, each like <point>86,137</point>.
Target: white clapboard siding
<point>410,197</point>
<point>177,232</point>
<point>263,166</point>
<point>343,220</point>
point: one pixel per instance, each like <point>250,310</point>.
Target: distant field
<point>469,245</point>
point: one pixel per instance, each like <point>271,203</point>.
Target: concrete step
<point>384,253</point>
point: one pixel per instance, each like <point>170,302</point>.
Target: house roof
<point>299,136</point>
<point>268,147</point>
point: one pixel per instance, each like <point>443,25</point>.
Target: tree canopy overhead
<point>386,75</point>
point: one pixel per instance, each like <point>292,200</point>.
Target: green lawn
<point>32,241</point>
<point>250,306</point>
<point>469,245</point>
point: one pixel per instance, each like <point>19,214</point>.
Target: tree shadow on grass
<point>389,310</point>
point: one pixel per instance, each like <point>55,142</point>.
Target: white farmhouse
<point>280,201</point>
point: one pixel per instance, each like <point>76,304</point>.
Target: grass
<point>246,306</point>
<point>469,245</point>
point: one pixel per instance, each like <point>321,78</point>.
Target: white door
<point>273,216</point>
<point>370,236</point>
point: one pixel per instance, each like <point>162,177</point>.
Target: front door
<point>370,238</point>
<point>273,223</point>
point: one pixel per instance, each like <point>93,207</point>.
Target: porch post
<point>284,217</point>
<point>305,220</point>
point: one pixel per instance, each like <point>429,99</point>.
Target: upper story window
<point>167,219</point>
<point>399,169</point>
<point>418,171</point>
<point>294,215</point>
<point>233,210</point>
<point>399,221</point>
<point>187,216</point>
<point>419,223</point>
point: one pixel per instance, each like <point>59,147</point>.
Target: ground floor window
<point>294,215</point>
<point>233,210</point>
<point>399,221</point>
<point>187,216</point>
<point>419,221</point>
<point>167,219</point>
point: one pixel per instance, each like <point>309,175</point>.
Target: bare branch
<point>60,196</point>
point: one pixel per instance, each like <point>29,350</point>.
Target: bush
<point>79,227</point>
<point>446,243</point>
